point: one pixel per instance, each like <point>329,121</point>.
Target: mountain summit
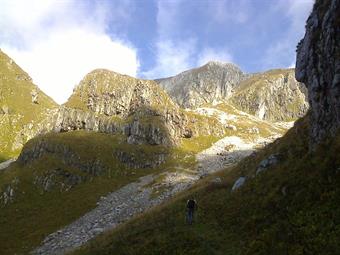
<point>212,82</point>
<point>273,95</point>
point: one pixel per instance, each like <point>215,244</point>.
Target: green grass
<point>35,213</point>
<point>15,95</point>
<point>258,219</point>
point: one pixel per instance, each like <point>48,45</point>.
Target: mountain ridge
<point>207,85</point>
<point>113,130</point>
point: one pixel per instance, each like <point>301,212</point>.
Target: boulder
<point>216,180</point>
<point>239,183</point>
<point>266,163</point>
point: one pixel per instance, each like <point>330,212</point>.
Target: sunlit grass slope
<point>17,111</point>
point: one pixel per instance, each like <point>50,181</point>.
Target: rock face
<point>68,157</point>
<point>67,119</point>
<point>274,95</point>
<point>212,82</point>
<point>141,109</point>
<point>318,66</point>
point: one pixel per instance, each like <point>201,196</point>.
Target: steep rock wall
<point>318,66</point>
<point>212,82</point>
<point>274,95</point>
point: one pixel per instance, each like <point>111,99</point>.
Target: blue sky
<point>58,41</point>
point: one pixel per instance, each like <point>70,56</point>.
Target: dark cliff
<point>318,66</point>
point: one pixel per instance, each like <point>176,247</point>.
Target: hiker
<point>191,207</point>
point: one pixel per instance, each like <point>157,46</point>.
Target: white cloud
<point>283,51</point>
<point>210,54</point>
<point>174,55</point>
<point>58,42</point>
<point>167,17</point>
<point>229,10</point>
<point>172,58</point>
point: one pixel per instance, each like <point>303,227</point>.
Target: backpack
<point>191,204</point>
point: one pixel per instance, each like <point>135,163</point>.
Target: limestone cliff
<point>110,102</point>
<point>207,84</point>
<point>22,106</point>
<point>318,66</point>
<point>274,95</point>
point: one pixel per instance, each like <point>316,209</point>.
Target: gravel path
<point>136,197</point>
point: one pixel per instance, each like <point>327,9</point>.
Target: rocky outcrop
<point>36,150</point>
<point>58,178</point>
<point>67,119</point>
<point>272,160</point>
<point>148,114</point>
<point>35,95</point>
<point>140,161</point>
<point>210,83</point>
<point>8,193</point>
<point>274,95</point>
<point>318,66</point>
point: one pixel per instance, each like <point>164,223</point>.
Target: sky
<point>59,41</point>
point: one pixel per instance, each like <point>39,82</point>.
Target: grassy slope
<point>35,213</point>
<point>293,208</point>
<point>15,94</point>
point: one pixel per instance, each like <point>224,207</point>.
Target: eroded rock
<point>318,66</point>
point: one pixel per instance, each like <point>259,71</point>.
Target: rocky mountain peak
<point>113,94</point>
<point>318,66</point>
<point>144,112</point>
<point>216,63</point>
<point>209,83</point>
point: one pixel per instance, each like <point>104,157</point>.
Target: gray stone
<point>35,95</point>
<point>217,180</point>
<point>238,183</point>
<point>207,84</point>
<point>266,163</point>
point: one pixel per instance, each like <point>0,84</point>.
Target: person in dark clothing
<point>191,207</point>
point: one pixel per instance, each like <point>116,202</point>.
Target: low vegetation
<point>292,208</point>
<point>36,212</point>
